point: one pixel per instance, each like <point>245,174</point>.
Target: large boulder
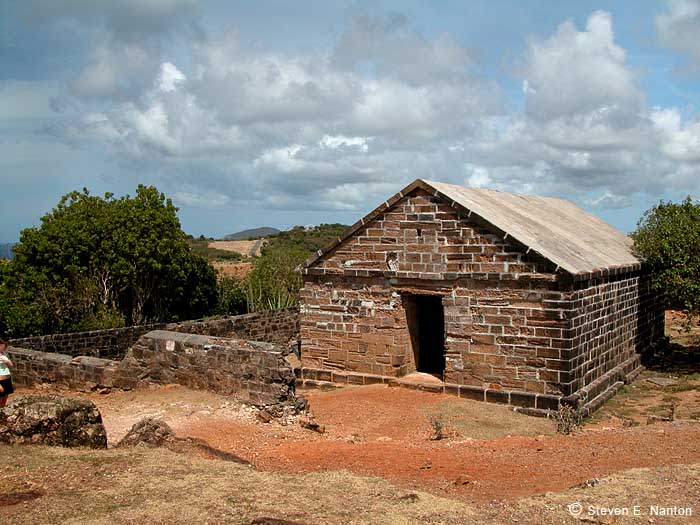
<point>49,419</point>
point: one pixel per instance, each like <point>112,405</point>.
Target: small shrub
<point>438,427</point>
<point>568,419</point>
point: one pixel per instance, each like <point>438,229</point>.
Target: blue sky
<point>281,113</point>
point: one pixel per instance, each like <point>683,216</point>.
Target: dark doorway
<point>426,326</point>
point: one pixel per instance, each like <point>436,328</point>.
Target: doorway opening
<point>425,316</point>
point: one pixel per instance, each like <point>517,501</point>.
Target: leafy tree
<point>274,283</point>
<point>96,262</point>
<point>668,238</point>
<point>232,296</point>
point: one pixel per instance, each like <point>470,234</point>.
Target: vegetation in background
<point>251,234</point>
<point>668,238</point>
<point>200,246</point>
<point>274,283</point>
<point>308,239</point>
<point>99,262</point>
<point>231,296</point>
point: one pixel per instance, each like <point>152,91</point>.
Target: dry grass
<point>678,485</point>
<point>242,247</point>
<point>641,399</point>
<point>145,485</point>
<point>479,420</point>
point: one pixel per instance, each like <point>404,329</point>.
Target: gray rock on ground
<point>149,430</point>
<point>50,419</point>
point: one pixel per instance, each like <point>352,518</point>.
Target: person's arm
<point>6,360</point>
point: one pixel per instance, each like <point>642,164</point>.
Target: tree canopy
<point>96,262</point>
<point>668,238</point>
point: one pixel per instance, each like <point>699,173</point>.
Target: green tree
<point>273,282</point>
<point>96,262</point>
<point>668,238</point>
<point>232,296</point>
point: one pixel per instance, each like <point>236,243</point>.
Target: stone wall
<point>110,344</point>
<point>506,335</point>
<point>254,372</point>
<point>273,326</point>
<point>32,368</point>
<point>422,237</point>
<point>276,326</point>
<point>613,321</point>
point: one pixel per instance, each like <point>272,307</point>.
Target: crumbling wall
<point>272,326</point>
<point>254,372</point>
<point>275,326</point>
<point>110,344</point>
<point>33,368</point>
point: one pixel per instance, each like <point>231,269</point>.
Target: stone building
<point>515,299</point>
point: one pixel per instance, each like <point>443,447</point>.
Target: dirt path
<point>384,432</point>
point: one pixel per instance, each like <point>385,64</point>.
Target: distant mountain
<point>253,233</point>
<point>6,251</point>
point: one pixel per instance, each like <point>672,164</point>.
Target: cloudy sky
<point>281,113</point>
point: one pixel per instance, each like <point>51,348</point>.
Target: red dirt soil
<point>382,431</point>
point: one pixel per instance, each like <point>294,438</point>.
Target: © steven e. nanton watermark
<point>577,509</point>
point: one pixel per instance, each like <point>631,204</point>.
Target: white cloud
<point>201,199</point>
<point>609,200</point>
<point>679,29</point>
<point>576,72</point>
<point>342,128</point>
<point>679,141</point>
<point>340,141</point>
<point>479,177</point>
<point>170,77</point>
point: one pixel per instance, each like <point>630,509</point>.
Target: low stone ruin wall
<point>275,326</point>
<point>254,372</point>
<point>110,344</point>
<point>32,368</point>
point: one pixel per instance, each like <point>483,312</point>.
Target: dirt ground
<point>242,247</point>
<point>386,432</point>
<point>232,269</point>
<point>492,463</point>
<point>51,485</point>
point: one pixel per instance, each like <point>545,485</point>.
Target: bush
<point>274,282</point>
<point>668,238</point>
<point>97,262</point>
<point>568,419</point>
<point>231,297</point>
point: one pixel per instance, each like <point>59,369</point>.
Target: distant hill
<point>253,233</point>
<point>6,251</point>
<point>309,238</point>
